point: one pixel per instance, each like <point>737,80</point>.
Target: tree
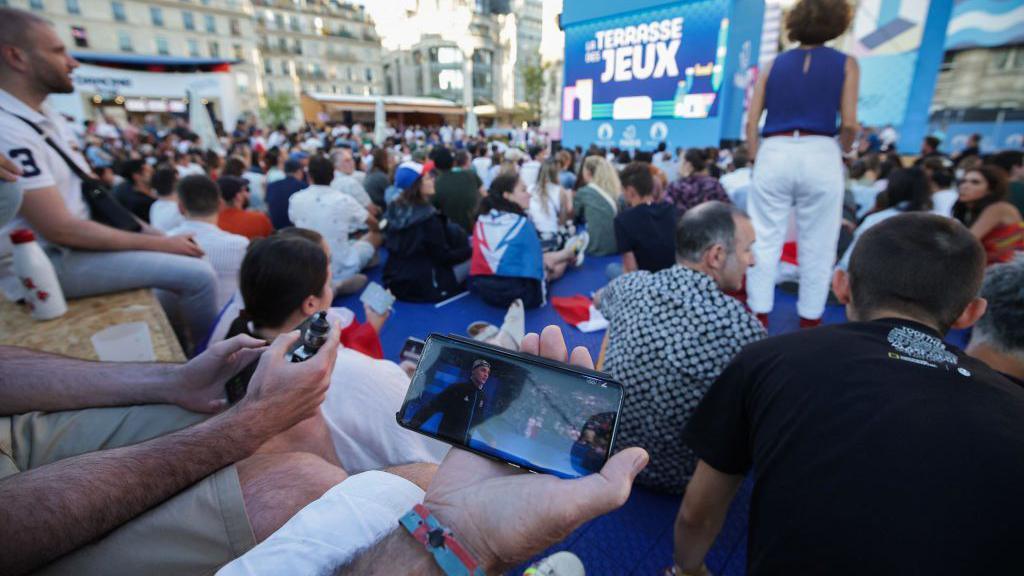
<point>533,86</point>
<point>280,109</point>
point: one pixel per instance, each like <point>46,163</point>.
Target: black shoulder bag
<point>104,208</point>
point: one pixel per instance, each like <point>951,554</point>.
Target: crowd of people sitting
<point>866,438</point>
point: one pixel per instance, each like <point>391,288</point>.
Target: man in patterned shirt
<point>672,332</point>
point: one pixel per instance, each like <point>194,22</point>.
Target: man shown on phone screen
<point>461,405</point>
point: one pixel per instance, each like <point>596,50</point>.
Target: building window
<point>161,46</point>
<point>156,14</point>
<point>294,24</point>
<point>242,81</point>
<point>268,66</point>
<point>118,9</point>
<point>124,41</point>
<point>236,27</point>
<point>36,5</point>
<point>282,45</point>
<point>73,7</point>
<point>188,20</point>
<point>214,49</point>
<point>211,23</point>
<point>193,48</point>
<point>80,36</point>
<point>239,53</point>
<point>369,74</point>
<point>285,70</point>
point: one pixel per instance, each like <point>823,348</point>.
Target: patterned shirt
<point>671,333</point>
<point>695,189</point>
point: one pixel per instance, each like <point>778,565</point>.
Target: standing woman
<point>983,208</point>
<point>799,164</point>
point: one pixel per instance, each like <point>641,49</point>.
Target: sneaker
<point>558,564</point>
<point>581,241</point>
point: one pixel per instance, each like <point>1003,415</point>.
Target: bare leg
<point>373,237</point>
<point>276,486</point>
<point>555,263</point>
<point>310,436</point>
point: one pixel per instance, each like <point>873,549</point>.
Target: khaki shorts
<point>195,532</point>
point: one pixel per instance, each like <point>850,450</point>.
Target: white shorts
<point>360,252</point>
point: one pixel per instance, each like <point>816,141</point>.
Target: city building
<point>434,45</point>
<point>140,57</point>
<point>317,47</point>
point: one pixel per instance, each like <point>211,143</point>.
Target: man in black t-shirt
<point>135,192</point>
<point>876,447</point>
<point>645,233</point>
<point>461,405</point>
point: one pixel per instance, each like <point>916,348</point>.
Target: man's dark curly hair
<point>818,21</point>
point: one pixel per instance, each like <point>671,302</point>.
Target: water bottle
<point>35,272</point>
<point>312,338</point>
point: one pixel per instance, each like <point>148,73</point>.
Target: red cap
<point>22,236</point>
<point>428,167</point>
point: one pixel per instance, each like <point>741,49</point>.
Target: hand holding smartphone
<point>528,411</point>
<point>377,298</point>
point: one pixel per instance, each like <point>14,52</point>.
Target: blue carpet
<point>637,538</point>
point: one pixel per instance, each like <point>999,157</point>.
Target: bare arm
<point>701,515</point>
<point>629,263</point>
<point>34,380</point>
<point>54,509</point>
<point>993,216</point>
<point>848,105</point>
<point>46,212</point>
<point>754,112</point>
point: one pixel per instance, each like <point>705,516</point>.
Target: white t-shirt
<point>943,201</point>
<point>41,167</point>
<point>350,185</point>
<point>482,164</point>
<point>360,407</point>
<point>191,170</point>
<point>329,531</point>
<point>735,180</point>
<point>528,174</point>
<point>334,215</point>
<point>545,218</point>
<point>224,251</point>
<point>164,215</point>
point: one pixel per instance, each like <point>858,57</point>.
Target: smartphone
<point>537,414</point>
<point>377,298</point>
<point>412,349</point>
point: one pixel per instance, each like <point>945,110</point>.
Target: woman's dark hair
<point>495,199</point>
<point>697,159</point>
<point>413,195</point>
<point>381,160</point>
<point>278,273</point>
<point>813,22</point>
<point>234,166</point>
<point>998,190</point>
<point>909,190</point>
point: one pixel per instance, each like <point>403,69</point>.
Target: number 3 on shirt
<point>28,162</point>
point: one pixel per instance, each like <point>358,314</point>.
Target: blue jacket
<point>278,194</point>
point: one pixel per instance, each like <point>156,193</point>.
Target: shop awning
<point>151,63</point>
<point>392,104</point>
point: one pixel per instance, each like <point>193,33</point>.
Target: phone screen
<point>515,408</point>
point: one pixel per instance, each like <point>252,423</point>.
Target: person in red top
<point>983,208</point>
<point>234,216</point>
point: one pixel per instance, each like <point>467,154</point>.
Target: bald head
<point>18,26</point>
